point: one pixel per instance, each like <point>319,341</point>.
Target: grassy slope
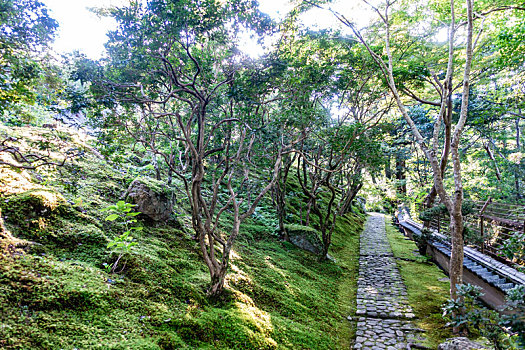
<point>426,293</point>
<point>59,296</point>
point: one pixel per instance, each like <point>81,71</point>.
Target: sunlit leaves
<point>25,31</point>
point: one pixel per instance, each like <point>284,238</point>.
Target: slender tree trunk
<point>388,170</point>
<point>400,174</point>
<point>326,245</point>
<point>155,166</point>
<point>491,156</point>
<point>518,132</point>
<point>519,195</point>
<point>308,211</point>
<point>171,166</point>
<point>347,205</point>
<point>281,211</point>
<point>456,258</point>
<point>280,196</point>
<point>447,121</point>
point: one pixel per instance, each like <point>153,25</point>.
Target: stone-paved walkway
<point>382,304</point>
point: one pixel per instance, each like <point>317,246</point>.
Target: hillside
<point>56,291</point>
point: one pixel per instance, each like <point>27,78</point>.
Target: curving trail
<point>382,303</point>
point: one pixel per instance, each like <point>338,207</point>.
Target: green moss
<point>30,211</point>
<point>426,293</point>
<point>32,203</point>
<point>59,295</point>
<point>309,233</point>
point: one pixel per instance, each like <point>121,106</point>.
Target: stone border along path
<point>382,305</point>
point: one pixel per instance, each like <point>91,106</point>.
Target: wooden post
<point>481,226</point>
<point>482,234</point>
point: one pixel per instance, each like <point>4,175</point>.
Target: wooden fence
<point>489,227</point>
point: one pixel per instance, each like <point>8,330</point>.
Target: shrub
<point>422,240</point>
<point>503,331</point>
<point>123,243</point>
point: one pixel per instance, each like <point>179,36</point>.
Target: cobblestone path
<point>382,305</point>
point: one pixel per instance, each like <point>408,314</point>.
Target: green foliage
<point>266,217</point>
<point>422,240</point>
<point>509,43</point>
<point>123,243</point>
<point>434,212</point>
<point>25,28</point>
<point>515,303</point>
<point>468,313</point>
<point>471,236</point>
<point>467,208</point>
<point>514,247</point>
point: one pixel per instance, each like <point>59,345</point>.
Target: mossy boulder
<point>28,206</point>
<point>152,199</point>
<point>305,238</point>
<point>45,216</point>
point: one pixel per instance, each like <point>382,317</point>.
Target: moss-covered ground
<point>426,284</point>
<point>57,293</point>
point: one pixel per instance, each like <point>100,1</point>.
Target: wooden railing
<point>489,226</point>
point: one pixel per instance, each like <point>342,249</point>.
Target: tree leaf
<point>111,207</point>
<point>112,217</point>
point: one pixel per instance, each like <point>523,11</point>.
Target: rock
<point>49,126</point>
<point>305,238</point>
<point>152,200</point>
<point>460,343</point>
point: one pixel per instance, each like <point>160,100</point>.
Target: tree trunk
<point>400,174</point>
<point>388,171</point>
<point>456,258</point>
<point>447,121</point>
<point>352,193</point>
<point>156,166</point>
<point>454,202</point>
<point>517,167</point>
<point>218,278</point>
<point>280,196</point>
<point>491,156</point>
<point>307,215</point>
<point>281,212</point>
<point>518,136</point>
<point>324,252</point>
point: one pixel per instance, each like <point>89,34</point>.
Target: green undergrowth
<point>426,288</point>
<point>58,295</point>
